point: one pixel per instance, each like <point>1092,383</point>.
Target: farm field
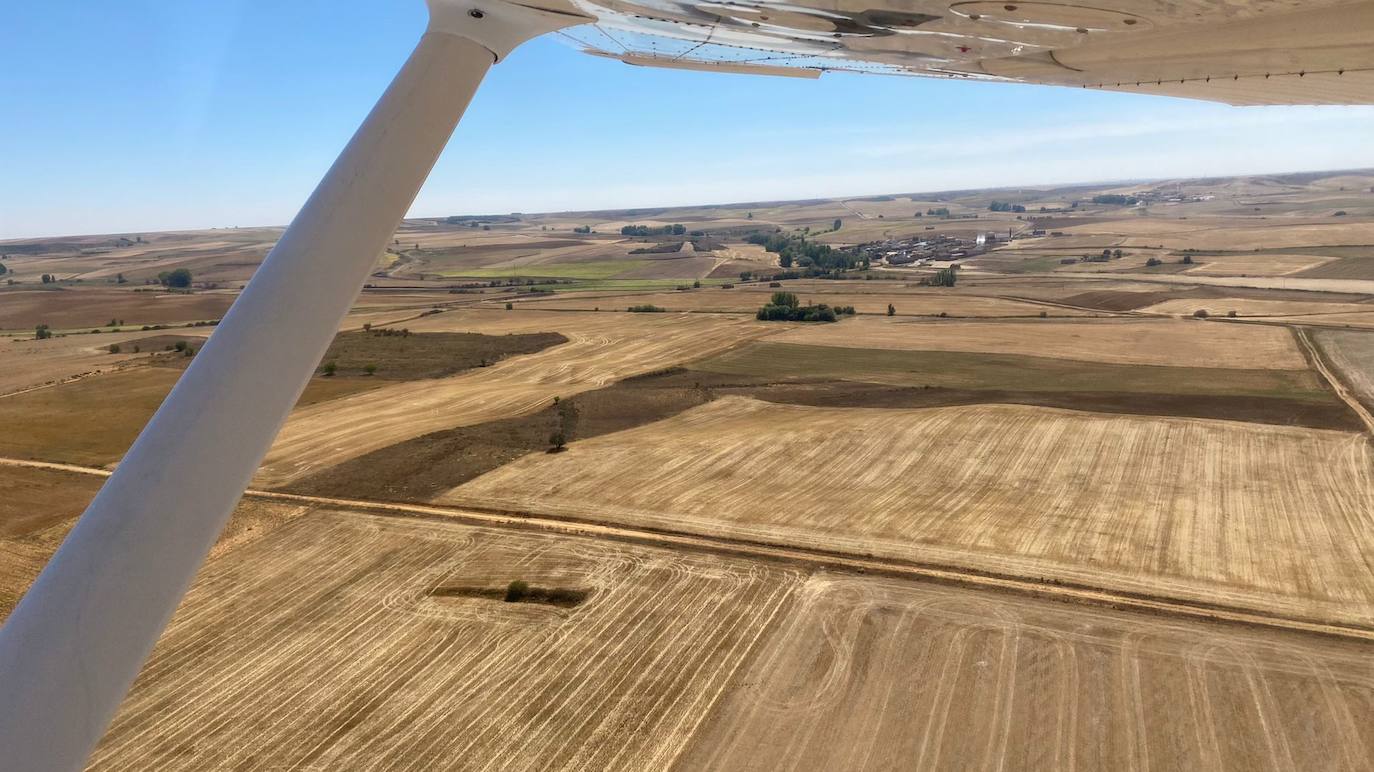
<point>1352,354</point>
<point>747,300</point>
<point>1212,512</point>
<point>1040,519</point>
<point>1126,341</point>
<point>602,348</point>
<point>690,661</point>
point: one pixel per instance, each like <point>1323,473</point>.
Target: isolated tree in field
<point>837,225</point>
<point>891,310</point>
<point>1152,262</point>
<point>1231,314</point>
<point>1187,260</point>
<point>1116,254</point>
<point>180,345</point>
<point>1201,313</point>
<point>369,369</point>
<point>42,332</point>
<point>516,591</point>
<point>114,348</point>
<point>557,441</point>
<point>330,368</point>
<point>510,306</point>
<point>696,284</point>
<point>119,279</point>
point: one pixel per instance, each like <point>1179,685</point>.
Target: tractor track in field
<point>817,558</point>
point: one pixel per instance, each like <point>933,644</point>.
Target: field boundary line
<point>817,558</point>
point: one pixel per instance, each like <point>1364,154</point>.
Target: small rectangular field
<point>1214,512</point>
<point>1169,342</point>
<point>1352,354</point>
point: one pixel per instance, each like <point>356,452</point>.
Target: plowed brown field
<point>1211,512</point>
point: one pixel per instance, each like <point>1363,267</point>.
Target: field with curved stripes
<point>341,657</point>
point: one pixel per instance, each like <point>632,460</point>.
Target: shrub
<point>114,348</point>
<point>510,306</point>
<point>369,369</point>
<point>180,345</point>
<point>1187,260</point>
<point>1152,262</point>
<point>1231,314</point>
<point>647,308</point>
<point>1201,313</point>
<point>516,591</point>
<point>557,442</point>
<point>42,332</point>
<point>891,310</point>
<point>330,368</point>
<point>1044,314</point>
<point>774,284</point>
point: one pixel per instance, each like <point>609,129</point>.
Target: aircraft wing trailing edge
<point>1242,52</point>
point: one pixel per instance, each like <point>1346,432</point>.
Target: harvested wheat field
<point>1173,342</point>
<point>28,364</point>
<point>872,674</point>
<point>350,641</point>
<point>1352,354</point>
<point>324,648</point>
<point>740,300</point>
<point>1257,264</point>
<point>1262,517</point>
<point>602,348</point>
<point>1256,307</point>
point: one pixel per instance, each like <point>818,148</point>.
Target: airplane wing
<point>1242,52</point>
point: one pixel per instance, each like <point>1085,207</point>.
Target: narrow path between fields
<point>817,558</point>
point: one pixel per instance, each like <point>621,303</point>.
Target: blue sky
<point>150,115</point>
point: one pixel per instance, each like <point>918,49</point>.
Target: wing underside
<point>1235,51</point>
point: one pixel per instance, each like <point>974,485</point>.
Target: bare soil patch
<point>86,308</point>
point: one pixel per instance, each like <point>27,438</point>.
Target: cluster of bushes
<point>388,332</point>
<point>945,277</point>
<point>647,308</point>
<point>1004,206</point>
<point>786,307</point>
<point>645,230</point>
<point>1115,199</point>
<point>941,212</point>
<point>582,229</point>
<point>176,279</point>
<point>815,258</point>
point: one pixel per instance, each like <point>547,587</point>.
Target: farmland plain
<point>1045,518</point>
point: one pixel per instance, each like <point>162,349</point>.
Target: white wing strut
<point>72,647</point>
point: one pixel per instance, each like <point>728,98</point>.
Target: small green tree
<point>114,348</point>
<point>330,368</point>
<point>510,306</point>
<point>42,332</point>
<point>516,591</point>
<point>1201,313</point>
<point>696,284</point>
<point>180,345</point>
<point>557,442</point>
<point>369,369</point>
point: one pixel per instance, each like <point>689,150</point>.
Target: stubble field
<point>1210,512</point>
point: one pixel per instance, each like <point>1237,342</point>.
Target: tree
<point>891,310</point>
<point>42,332</point>
<point>369,369</point>
<point>330,368</point>
<point>510,306</point>
<point>785,260</point>
<point>1152,262</point>
<point>556,442</point>
<point>785,299</point>
<point>696,284</point>
<point>516,591</point>
<point>3,270</point>
<point>1201,313</point>
<point>119,279</point>
<point>177,279</point>
<point>114,348</point>
<point>837,225</point>
<point>1187,260</point>
<point>1116,253</point>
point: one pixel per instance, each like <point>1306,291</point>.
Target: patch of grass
<point>961,370</point>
